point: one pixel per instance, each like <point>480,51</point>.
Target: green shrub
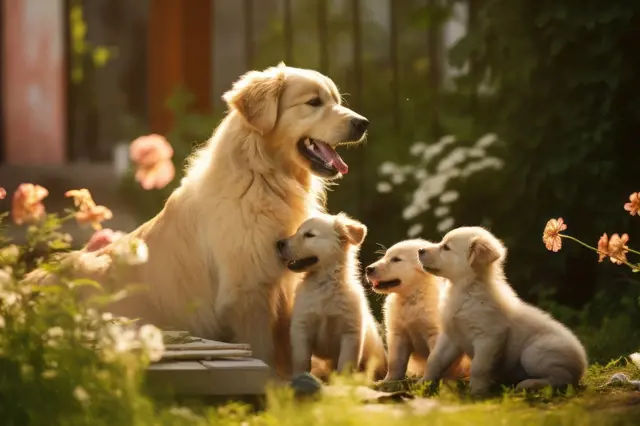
<point>61,361</point>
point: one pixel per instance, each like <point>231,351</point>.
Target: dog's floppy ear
<point>483,252</point>
<point>351,230</point>
<point>256,95</point>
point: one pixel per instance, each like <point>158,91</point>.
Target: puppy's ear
<point>483,252</point>
<point>256,95</point>
<point>351,230</point>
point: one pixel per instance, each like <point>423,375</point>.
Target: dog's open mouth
<point>384,285</point>
<point>301,264</point>
<point>324,159</point>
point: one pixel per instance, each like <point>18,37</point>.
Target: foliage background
<point>556,81</point>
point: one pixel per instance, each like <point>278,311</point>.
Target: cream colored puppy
<point>411,312</point>
<point>331,316</point>
<point>510,341</point>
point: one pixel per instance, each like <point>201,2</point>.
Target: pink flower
<point>81,197</point>
<point>3,193</point>
<point>618,248</point>
<point>603,247</point>
<point>88,212</point>
<point>551,235</point>
<point>101,239</point>
<point>93,215</point>
<point>633,206</point>
<point>158,176</point>
<point>27,204</point>
<point>152,155</point>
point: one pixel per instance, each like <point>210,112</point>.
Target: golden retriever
<point>331,318</point>
<point>213,267</point>
<point>411,310</point>
<point>510,341</point>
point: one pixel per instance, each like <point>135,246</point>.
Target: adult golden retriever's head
<point>321,242</point>
<point>299,114</point>
<point>399,270</point>
<point>463,254</point>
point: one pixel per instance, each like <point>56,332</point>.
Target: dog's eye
<point>309,235</point>
<point>446,247</point>
<point>395,259</point>
<point>315,102</point>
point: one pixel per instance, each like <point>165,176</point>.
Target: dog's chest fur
<point>415,316</point>
<point>263,214</point>
<point>469,313</point>
<point>328,309</point>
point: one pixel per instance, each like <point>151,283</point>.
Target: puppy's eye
<point>315,102</point>
<point>446,247</point>
<point>395,259</point>
<point>309,235</point>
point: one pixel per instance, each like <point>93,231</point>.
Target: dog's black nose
<point>280,244</point>
<point>422,251</point>
<point>360,125</point>
<point>370,270</point>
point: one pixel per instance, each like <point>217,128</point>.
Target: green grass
<point>592,404</point>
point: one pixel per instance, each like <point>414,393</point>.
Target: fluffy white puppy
<point>331,317</point>
<point>509,341</point>
<point>411,312</point>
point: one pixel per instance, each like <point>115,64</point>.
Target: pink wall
<point>34,82</point>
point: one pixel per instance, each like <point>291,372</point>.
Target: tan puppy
<point>213,268</point>
<point>510,341</point>
<point>331,316</point>
<point>411,309</point>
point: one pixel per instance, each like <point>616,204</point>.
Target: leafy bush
<point>61,361</point>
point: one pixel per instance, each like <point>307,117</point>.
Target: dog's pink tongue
<point>333,158</point>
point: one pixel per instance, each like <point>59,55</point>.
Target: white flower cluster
<point>432,179</point>
<point>130,250</point>
<point>635,359</point>
<point>9,297</point>
<point>121,337</point>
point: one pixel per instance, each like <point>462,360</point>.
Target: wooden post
<point>34,82</point>
<point>180,40</point>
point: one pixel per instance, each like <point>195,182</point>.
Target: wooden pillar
<point>180,40</point>
<point>34,82</point>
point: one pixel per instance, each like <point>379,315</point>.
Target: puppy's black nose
<point>370,270</point>
<point>280,244</point>
<point>422,251</point>
<point>360,125</point>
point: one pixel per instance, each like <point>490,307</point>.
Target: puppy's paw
<point>428,387</point>
<point>390,385</point>
<point>480,389</point>
<point>306,385</point>
<point>477,392</point>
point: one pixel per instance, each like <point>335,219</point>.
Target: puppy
<point>510,341</point>
<point>331,317</point>
<point>411,312</point>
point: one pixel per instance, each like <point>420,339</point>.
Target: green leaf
<point>84,282</point>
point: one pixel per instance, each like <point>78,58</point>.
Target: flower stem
<point>633,251</point>
<point>598,251</point>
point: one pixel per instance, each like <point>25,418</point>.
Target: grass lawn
<point>594,404</point>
